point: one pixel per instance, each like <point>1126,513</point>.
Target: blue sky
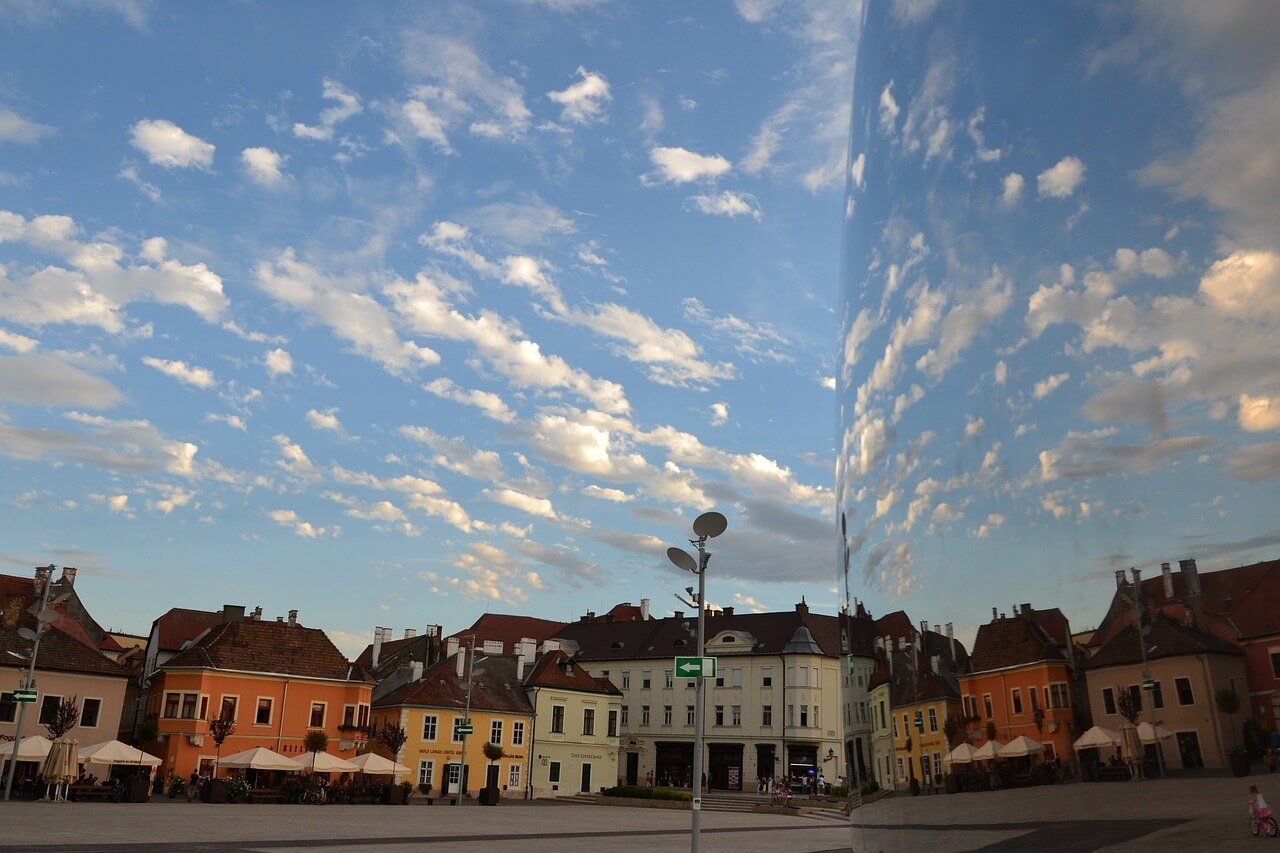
<point>1061,327</point>
<point>397,315</point>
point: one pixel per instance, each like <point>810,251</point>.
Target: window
<point>262,717</point>
<point>816,724</point>
<point>719,680</point>
<point>1157,697</point>
<point>644,715</point>
<point>937,765</point>
<point>513,777</point>
<point>1135,693</point>
<point>557,719</point>
<point>171,702</point>
<point>647,677</point>
<point>588,722</point>
<point>1017,700</point>
<point>495,732</point>
<point>316,720</point>
<point>625,717</point>
<point>454,776</point>
<point>895,727</point>
<point>189,701</point>
<point>613,724</point>
<point>986,706</point>
<point>517,733</point>
<point>933,719</point>
<point>690,683</point>
<point>735,715</point>
<point>429,723</point>
<point>458,723</point>
<point>804,677</point>
<point>766,676</point>
<point>1108,700</point>
<point>969,708</point>
<point>204,707</point>
<point>902,775</point>
<point>1058,696</point>
<point>348,716</point>
<point>426,770</point>
<point>804,715</point>
<point>790,677</point>
<point>668,678</point>
<point>553,774</point>
<point>791,715</point>
<point>89,713</point>
<point>766,716</point>
<point>626,679</point>
<point>719,715</point>
<point>1185,696</point>
<point>48,709</point>
<point>737,676</point>
<point>228,709</point>
<point>1035,700</point>
<point>666,715</point>
<point>1275,663</point>
<point>8,708</point>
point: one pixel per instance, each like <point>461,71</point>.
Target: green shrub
<point>177,787</point>
<point>638,793</point>
<point>424,788</point>
<point>237,790</point>
<point>869,787</point>
<point>291,789</point>
<point>838,790</point>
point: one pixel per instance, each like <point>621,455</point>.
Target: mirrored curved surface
<point>1059,353</point>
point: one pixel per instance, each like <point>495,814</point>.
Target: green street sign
<point>695,667</point>
<point>24,695</point>
<point>1149,684</point>
<point>465,730</point>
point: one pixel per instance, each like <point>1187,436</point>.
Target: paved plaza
<point>1189,815</point>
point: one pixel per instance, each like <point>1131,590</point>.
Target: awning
<point>60,763</point>
<point>1150,733</point>
<point>987,751</point>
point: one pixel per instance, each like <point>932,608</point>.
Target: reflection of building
<point>276,681</point>
<point>576,716</point>
<point>882,758</point>
<point>1022,681</point>
<point>775,706</point>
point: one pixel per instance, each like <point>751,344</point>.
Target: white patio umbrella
<point>323,762</point>
<point>115,752</point>
<point>259,758</point>
<point>376,765</point>
<point>1021,746</point>
<point>31,748</point>
<point>987,751</point>
<point>1097,738</point>
<point>1150,733</point>
<point>60,768</point>
<point>962,754</point>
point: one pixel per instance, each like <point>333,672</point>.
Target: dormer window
<point>727,640</point>
<point>679,643</point>
<point>616,645</point>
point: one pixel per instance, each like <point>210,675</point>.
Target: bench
<point>264,795</point>
<point>81,793</point>
<point>1114,774</point>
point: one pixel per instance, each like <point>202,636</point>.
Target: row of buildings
<point>597,702</point>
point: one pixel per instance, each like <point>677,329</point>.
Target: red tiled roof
<point>509,630</point>
<point>494,688</point>
<point>1004,643</point>
<point>60,650</point>
<point>550,671</point>
<point>1166,639</point>
<point>180,625</point>
<point>389,648</point>
<point>1054,623</point>
<point>249,645</point>
<point>896,624</point>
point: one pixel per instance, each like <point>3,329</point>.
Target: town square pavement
<point>1187,815</point>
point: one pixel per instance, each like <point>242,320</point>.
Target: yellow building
<point>922,703</point>
<point>575,745</point>
<point>432,711</point>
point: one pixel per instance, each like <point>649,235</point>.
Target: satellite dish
<point>27,634</point>
<point>710,524</point>
<point>682,560</point>
<point>48,616</point>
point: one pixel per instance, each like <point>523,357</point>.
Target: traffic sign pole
<point>45,575</point>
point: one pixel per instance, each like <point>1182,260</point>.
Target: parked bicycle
<point>313,795</point>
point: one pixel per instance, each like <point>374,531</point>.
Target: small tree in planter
<point>991,730</point>
<point>1228,702</point>
<point>65,718</point>
<point>220,729</point>
<point>316,741</point>
<point>1127,704</point>
<point>393,738</point>
<point>953,728</point>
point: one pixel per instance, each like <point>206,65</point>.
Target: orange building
<point>276,681</point>
<point>1021,681</point>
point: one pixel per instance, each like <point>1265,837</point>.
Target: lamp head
<point>710,524</point>
<point>682,560</point>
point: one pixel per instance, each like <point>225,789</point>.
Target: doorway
<point>1189,750</point>
<point>586,778</point>
<point>633,768</point>
<point>724,767</point>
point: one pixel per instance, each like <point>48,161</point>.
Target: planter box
<point>215,791</point>
<point>393,796</point>
<point>1240,763</point>
<point>490,796</point>
<point>137,791</point>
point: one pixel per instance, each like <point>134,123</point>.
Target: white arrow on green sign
<point>695,667</point>
<point>465,730</point>
<point>24,696</point>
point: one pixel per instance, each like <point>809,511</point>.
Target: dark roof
<point>1054,623</point>
<point>494,688</point>
<point>1166,639</point>
<point>509,630</point>
<point>624,612</point>
<point>249,645</point>
<point>550,671</point>
<point>1246,595</point>
<point>179,625</point>
<point>909,689</point>
<point>59,651</point>
<point>659,638</point>
<point>895,625</point>
<point>1003,643</point>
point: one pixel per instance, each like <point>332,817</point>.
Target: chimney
<point>410,633</point>
<point>450,647</point>
<point>951,638</point>
<point>461,661</point>
<point>644,610</point>
<point>1190,577</point>
<point>937,629</point>
<point>802,607</point>
<point>491,647</point>
<point>550,646</point>
<point>1166,574</point>
<point>993,614</point>
<point>935,664</point>
<point>889,663</point>
<point>1026,610</point>
<point>257,614</point>
<point>1119,578</point>
<point>232,613</point>
<point>415,670</point>
<point>924,626</point>
<point>677,614</point>
<point>432,631</point>
<point>12,611</point>
<point>377,648</point>
<point>527,650</point>
<point>280,619</point>
<point>293,617</point>
<point>728,611</point>
<point>68,575</point>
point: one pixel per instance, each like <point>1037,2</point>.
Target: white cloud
<point>326,420</point>
<point>456,455</point>
<point>540,507</point>
<point>278,362</point>
<point>491,404</point>
<point>584,101</point>
<point>994,521</point>
<point>118,503</point>
<point>1258,414</point>
<point>290,518</point>
<point>758,341</point>
<point>132,446</point>
<point>1001,373</point>
<point>607,494</point>
<point>680,166</point>
<point>429,115</point>
<point>233,421</point>
<point>186,373</point>
<point>130,173</point>
<point>345,105</point>
<point>719,414</point>
<point>263,166</point>
<point>889,110</point>
<point>529,222</point>
<point>1061,179</point>
<point>1244,283</point>
<point>16,342</point>
<point>52,381</point>
<point>168,145</point>
<point>727,203</point>
<point>15,128</point>
<point>1012,192</point>
<point>1048,385</point>
<point>973,428</point>
<point>494,101</point>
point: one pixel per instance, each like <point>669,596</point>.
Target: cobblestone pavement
<point>1191,815</point>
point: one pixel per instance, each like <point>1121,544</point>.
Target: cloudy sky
<point>399,314</point>
<point>1061,332</point>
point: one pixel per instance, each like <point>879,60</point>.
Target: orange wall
<point>290,714</point>
<point>1010,725</point>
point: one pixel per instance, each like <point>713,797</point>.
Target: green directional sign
<point>695,667</point>
<point>24,696</point>
<point>465,730</point>
<point>1149,684</point>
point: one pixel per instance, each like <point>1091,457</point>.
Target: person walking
<point>193,785</point>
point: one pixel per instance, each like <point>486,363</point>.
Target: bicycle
<point>313,795</point>
<point>1263,824</point>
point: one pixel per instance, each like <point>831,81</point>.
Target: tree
<point>393,738</point>
<point>220,729</point>
<point>954,729</point>
<point>314,742</point>
<point>1228,702</point>
<point>493,752</point>
<point>1128,705</point>
<point>64,719</point>
<point>148,730</point>
<point>991,730</point>
<point>1039,718</point>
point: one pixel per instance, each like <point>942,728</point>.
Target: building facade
<point>576,726</point>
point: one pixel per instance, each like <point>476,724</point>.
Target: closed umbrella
<point>60,768</point>
<point>260,758</point>
<point>1151,733</point>
<point>376,765</point>
<point>962,754</point>
<point>1097,738</point>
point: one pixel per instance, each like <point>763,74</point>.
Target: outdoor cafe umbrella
<point>323,762</point>
<point>376,765</point>
<point>259,758</point>
<point>1130,748</point>
<point>114,752</point>
<point>31,748</point>
<point>60,767</point>
<point>1097,738</point>
<point>1150,733</point>
<point>962,754</point>
<point>987,751</point>
<point>1021,746</point>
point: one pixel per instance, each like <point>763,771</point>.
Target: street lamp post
<point>43,585</point>
<point>1146,670</point>
<point>466,722</point>
<point>706,526</point>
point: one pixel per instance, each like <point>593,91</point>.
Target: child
<point>1257,803</point>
